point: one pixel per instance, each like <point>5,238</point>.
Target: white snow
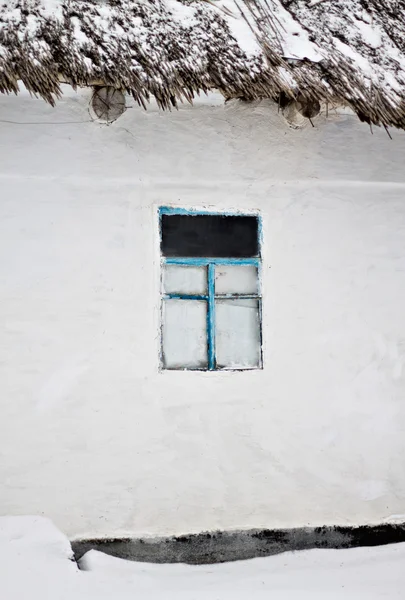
<point>35,564</point>
<point>240,29</point>
<point>370,34</point>
<point>182,12</point>
<point>52,8</point>
<point>360,62</point>
<point>295,39</point>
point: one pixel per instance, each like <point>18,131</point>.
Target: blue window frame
<point>217,298</point>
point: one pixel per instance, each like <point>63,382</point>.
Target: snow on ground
<point>36,564</point>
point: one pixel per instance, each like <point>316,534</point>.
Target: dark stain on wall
<point>216,547</point>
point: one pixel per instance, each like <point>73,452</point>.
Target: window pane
<point>237,333</point>
<point>233,236</point>
<point>185,334</point>
<point>179,279</point>
<point>235,279</point>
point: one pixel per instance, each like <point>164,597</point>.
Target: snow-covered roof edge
<point>351,50</point>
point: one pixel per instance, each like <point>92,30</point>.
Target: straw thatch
<point>323,50</point>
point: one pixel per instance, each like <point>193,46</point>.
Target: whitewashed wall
<point>92,435</point>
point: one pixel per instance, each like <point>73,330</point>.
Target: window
<point>211,303</point>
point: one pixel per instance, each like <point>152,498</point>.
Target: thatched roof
<point>353,50</point>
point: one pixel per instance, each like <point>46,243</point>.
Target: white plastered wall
<point>92,434</point>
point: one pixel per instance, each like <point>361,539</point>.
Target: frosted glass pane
<point>235,279</point>
<point>237,333</point>
<point>184,334</point>
<point>179,279</point>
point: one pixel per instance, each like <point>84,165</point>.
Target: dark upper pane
<point>210,235</point>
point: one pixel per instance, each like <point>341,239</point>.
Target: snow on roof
<point>324,50</point>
